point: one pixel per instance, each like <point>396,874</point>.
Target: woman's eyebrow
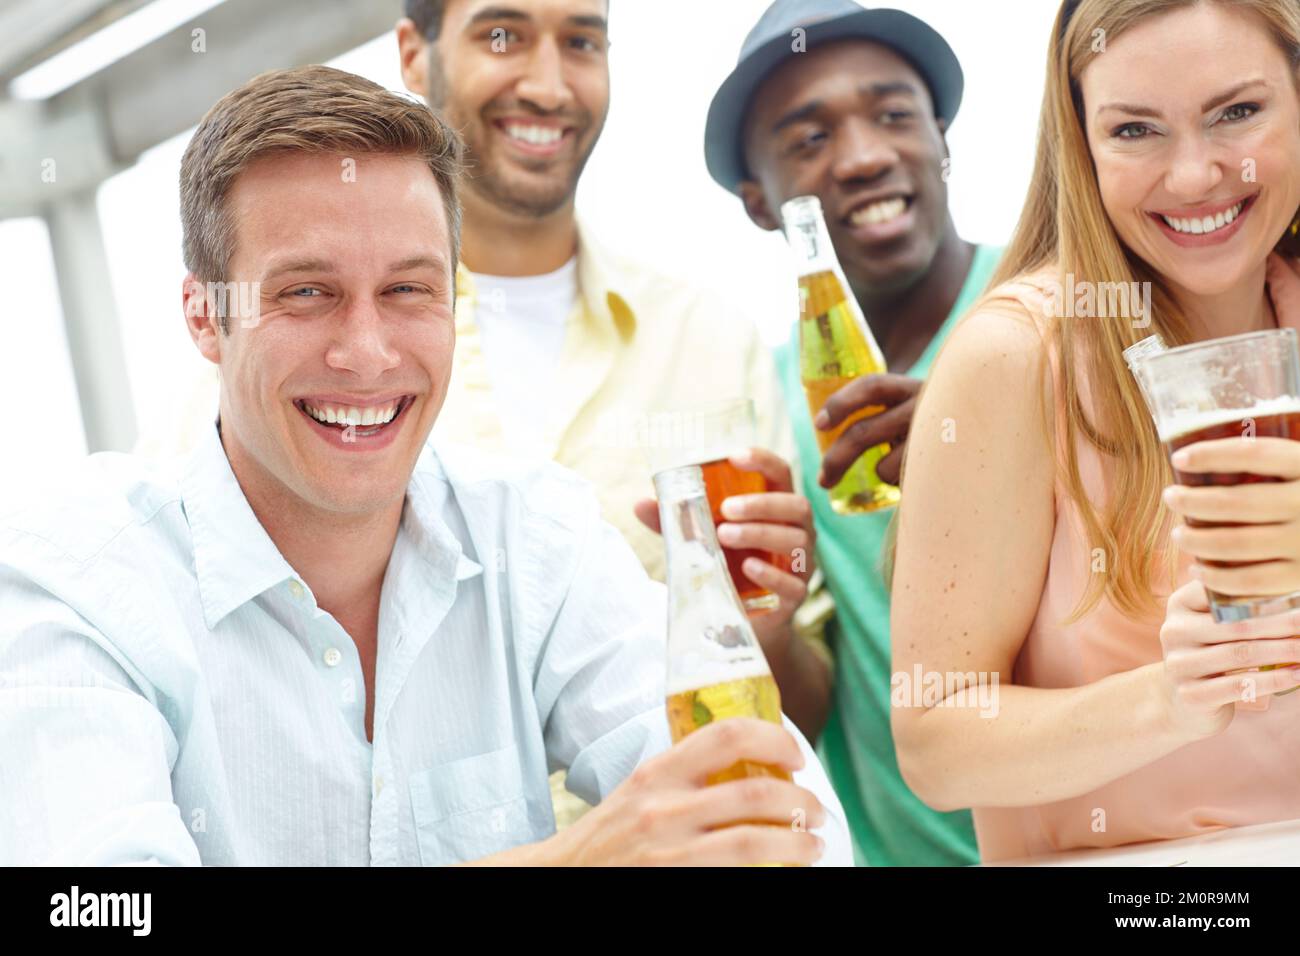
<point>1213,103</point>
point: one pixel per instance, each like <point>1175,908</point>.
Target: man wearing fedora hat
<point>851,105</point>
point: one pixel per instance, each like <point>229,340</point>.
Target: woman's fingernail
<point>732,509</point>
<point>822,419</point>
<point>1180,458</point>
<point>727,533</point>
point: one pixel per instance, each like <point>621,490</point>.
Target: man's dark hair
<point>427,16</point>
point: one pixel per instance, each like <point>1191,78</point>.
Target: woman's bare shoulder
<point>1007,328</point>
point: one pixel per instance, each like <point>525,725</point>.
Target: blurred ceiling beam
<point>32,31</point>
<point>102,124</point>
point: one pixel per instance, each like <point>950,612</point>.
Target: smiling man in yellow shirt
<point>562,346</point>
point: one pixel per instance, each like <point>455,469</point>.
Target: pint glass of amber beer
<point>1241,386</point>
<point>707,436</point>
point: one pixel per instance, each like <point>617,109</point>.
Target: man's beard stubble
<point>512,198</point>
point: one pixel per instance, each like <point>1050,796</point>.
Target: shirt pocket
<point>470,808</point>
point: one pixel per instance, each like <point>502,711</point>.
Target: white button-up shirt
<point>171,692</point>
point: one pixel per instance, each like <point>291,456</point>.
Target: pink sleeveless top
<point>1248,774</point>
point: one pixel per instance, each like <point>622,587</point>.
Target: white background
<point>645,191</point>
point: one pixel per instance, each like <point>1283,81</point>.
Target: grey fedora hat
<point>773,41</point>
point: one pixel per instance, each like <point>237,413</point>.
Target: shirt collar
<point>599,273</point>
<point>423,524</point>
<point>235,560</point>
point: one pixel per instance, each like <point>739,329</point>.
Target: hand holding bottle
<point>897,395</point>
<point>665,813</point>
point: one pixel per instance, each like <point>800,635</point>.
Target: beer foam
<point>1195,419</point>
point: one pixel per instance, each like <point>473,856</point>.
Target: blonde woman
<point>1170,154</point>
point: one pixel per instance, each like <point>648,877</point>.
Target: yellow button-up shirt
<point>636,342</point>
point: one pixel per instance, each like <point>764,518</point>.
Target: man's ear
<point>413,53</point>
<point>200,319</point>
<point>751,194</point>
<point>941,125</point>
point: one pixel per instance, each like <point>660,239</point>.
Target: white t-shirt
<point>521,325</point>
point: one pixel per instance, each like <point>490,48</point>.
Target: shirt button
<point>296,590</point>
<point>332,657</point>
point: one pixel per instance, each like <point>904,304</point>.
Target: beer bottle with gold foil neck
<point>835,347</point>
<point>716,668</point>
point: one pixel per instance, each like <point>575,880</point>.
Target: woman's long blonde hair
<point>1064,225</point>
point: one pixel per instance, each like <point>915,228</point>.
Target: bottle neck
<point>710,639</point>
<point>806,232</point>
<point>684,514</point>
<point>697,568</point>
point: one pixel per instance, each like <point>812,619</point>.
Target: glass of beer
<point>707,436</point>
<point>1241,386</point>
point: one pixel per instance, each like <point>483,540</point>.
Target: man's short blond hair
<point>308,109</point>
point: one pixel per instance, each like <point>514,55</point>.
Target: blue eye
<point>297,292</point>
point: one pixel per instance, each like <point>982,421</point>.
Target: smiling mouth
<point>880,212</point>
<point>365,420</point>
<point>1206,225</point>
<point>534,136</point>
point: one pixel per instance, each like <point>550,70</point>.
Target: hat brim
<point>928,52</point>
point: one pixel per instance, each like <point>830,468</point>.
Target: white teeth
<point>352,415</point>
<point>537,135</point>
<point>878,212</point>
<point>1199,227</point>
